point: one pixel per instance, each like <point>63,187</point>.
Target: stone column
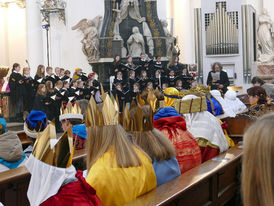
<point>35,47</point>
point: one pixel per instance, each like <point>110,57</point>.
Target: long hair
<point>101,139</point>
<point>258,163</point>
<point>214,65</point>
<point>49,86</point>
<point>39,90</point>
<point>153,142</point>
<point>39,71</point>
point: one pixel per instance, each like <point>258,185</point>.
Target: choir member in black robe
<point>157,79</point>
<point>80,88</point>
<point>121,94</point>
<point>133,93</point>
<point>158,65</point>
<point>120,79</point>
<point>179,85</point>
<point>41,102</point>
<point>57,74</point>
<point>39,77</point>
<point>128,66</point>
<point>131,79</point>
<point>176,66</point>
<point>145,64</point>
<point>50,76</point>
<point>90,90</point>
<point>29,89</point>
<point>65,92</point>
<point>16,82</point>
<point>186,79</point>
<point>143,80</point>
<point>62,74</point>
<point>66,77</point>
<point>58,103</point>
<point>172,78</point>
<point>115,66</point>
<point>217,78</point>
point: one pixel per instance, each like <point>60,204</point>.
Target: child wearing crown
<point>117,169</point>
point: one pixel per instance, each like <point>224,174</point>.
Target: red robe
<point>188,152</point>
<point>78,193</point>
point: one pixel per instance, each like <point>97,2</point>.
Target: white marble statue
<point>136,43</point>
<point>127,8</point>
<point>90,41</point>
<point>170,40</point>
<point>265,39</point>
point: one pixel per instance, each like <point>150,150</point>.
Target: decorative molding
<point>19,3</point>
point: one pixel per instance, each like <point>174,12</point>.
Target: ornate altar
<point>129,27</point>
<point>3,73</point>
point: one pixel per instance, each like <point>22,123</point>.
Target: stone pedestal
<point>266,72</point>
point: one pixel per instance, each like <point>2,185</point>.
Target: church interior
<point>136,102</point>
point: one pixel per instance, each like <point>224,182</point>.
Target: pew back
<point>213,183</point>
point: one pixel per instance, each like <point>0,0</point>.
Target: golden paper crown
<point>192,105</point>
<point>135,119</point>
<point>52,151</point>
<point>108,116</point>
<point>199,89</point>
<point>71,112</point>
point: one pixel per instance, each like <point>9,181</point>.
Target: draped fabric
<point>166,170</point>
<point>76,193</point>
<point>218,110</point>
<point>117,186</point>
<point>188,152</point>
<point>208,150</point>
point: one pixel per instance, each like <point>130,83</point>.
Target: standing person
<point>217,78</point>
<point>115,66</point>
<point>29,89</point>
<point>66,76</point>
<point>39,76</point>
<point>16,82</point>
<point>50,75</point>
<point>258,163</point>
<point>40,101</point>
<point>176,66</point>
<point>57,73</point>
<point>186,79</point>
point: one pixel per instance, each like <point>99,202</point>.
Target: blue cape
<point>216,105</point>
<point>166,112</point>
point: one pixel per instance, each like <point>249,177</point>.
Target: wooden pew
<point>14,183</point>
<point>25,140</point>
<point>212,183</point>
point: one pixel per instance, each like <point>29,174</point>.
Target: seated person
<point>35,123</point>
<point>117,169</point>
<point>54,180</point>
<point>207,130</point>
<point>173,126</point>
<point>217,99</point>
<point>71,115</point>
<point>154,143</point>
<point>258,163</point>
<point>257,97</point>
<point>235,104</point>
<point>11,151</point>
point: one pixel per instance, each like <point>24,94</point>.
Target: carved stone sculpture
<point>127,7</point>
<point>265,39</point>
<point>90,41</point>
<point>136,43</point>
<point>170,40</point>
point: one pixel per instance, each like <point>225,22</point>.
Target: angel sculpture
<point>90,41</point>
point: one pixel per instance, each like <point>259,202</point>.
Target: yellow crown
<point>197,90</point>
<point>108,116</point>
<point>52,151</point>
<point>71,111</point>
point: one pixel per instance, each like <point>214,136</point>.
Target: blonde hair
<point>101,139</point>
<point>49,86</point>
<point>39,71</point>
<point>258,163</point>
<point>25,69</point>
<point>39,89</point>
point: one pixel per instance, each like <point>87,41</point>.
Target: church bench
<point>215,182</point>
<point>25,140</point>
<point>14,183</point>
